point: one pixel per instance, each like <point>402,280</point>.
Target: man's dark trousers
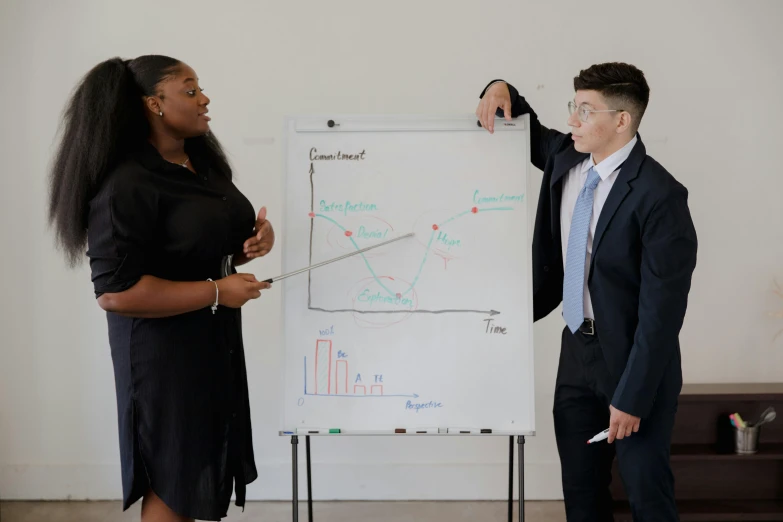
<point>583,391</point>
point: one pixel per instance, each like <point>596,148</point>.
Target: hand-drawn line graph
<point>435,228</point>
<point>401,295</point>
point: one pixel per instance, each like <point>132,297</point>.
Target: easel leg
<point>309,482</point>
<point>511,479</point>
<point>521,444</point>
<point>294,473</point>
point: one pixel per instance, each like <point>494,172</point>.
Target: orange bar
<point>341,377</point>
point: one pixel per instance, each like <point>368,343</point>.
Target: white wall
<point>714,121</point>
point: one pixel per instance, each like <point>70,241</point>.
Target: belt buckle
<point>591,322</point>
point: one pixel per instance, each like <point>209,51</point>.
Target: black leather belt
<point>588,327</point>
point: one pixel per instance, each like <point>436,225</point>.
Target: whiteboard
<point>431,334</point>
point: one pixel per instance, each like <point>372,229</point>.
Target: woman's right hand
<point>237,289</point>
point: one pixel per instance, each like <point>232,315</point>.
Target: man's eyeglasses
<point>583,111</point>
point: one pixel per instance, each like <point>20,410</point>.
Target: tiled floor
<point>281,512</point>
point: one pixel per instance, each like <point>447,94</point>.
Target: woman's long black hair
<point>103,121</point>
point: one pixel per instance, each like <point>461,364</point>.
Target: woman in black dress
<point>142,185</point>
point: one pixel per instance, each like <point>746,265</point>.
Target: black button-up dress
<point>181,381</point>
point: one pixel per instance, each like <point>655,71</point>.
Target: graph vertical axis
<point>310,261</point>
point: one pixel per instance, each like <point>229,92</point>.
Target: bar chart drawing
<point>323,367</point>
<point>331,376</point>
<point>341,373</point>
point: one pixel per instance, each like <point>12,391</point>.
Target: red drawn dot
<point>474,210</point>
<point>348,233</point>
<point>434,227</point>
<point>311,214</point>
<point>399,295</point>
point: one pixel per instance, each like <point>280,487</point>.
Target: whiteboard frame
<point>410,123</point>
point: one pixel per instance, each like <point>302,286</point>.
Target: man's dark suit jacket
<point>644,253</point>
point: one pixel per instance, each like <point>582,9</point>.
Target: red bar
<point>328,370</point>
<point>337,376</point>
<point>357,386</point>
<point>374,386</point>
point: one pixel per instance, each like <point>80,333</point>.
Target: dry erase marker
<point>463,430</point>
<point>427,430</point>
<point>601,436</point>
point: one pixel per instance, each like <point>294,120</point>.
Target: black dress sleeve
<point>544,141</point>
<point>120,230</point>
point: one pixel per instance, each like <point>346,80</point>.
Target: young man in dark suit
<point>615,243</point>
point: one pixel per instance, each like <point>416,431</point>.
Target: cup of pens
<point>746,434</point>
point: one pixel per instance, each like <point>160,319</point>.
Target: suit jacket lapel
<point>620,189</point>
<point>564,162</point>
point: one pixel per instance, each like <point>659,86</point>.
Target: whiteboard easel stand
<point>317,125</point>
<point>521,471</point>
<point>521,466</point>
<point>295,475</point>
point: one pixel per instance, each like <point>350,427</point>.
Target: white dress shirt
<point>572,186</point>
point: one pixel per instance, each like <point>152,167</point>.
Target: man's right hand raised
<point>497,96</point>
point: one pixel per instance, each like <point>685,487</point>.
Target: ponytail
<point>103,119</point>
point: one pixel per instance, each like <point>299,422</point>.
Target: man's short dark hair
<point>621,84</point>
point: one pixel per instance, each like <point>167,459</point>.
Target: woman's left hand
<point>262,240</point>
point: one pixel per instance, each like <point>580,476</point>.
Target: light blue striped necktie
<point>574,281</point>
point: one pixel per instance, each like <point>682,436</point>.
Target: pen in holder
<point>746,440</point>
<point>746,435</point>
